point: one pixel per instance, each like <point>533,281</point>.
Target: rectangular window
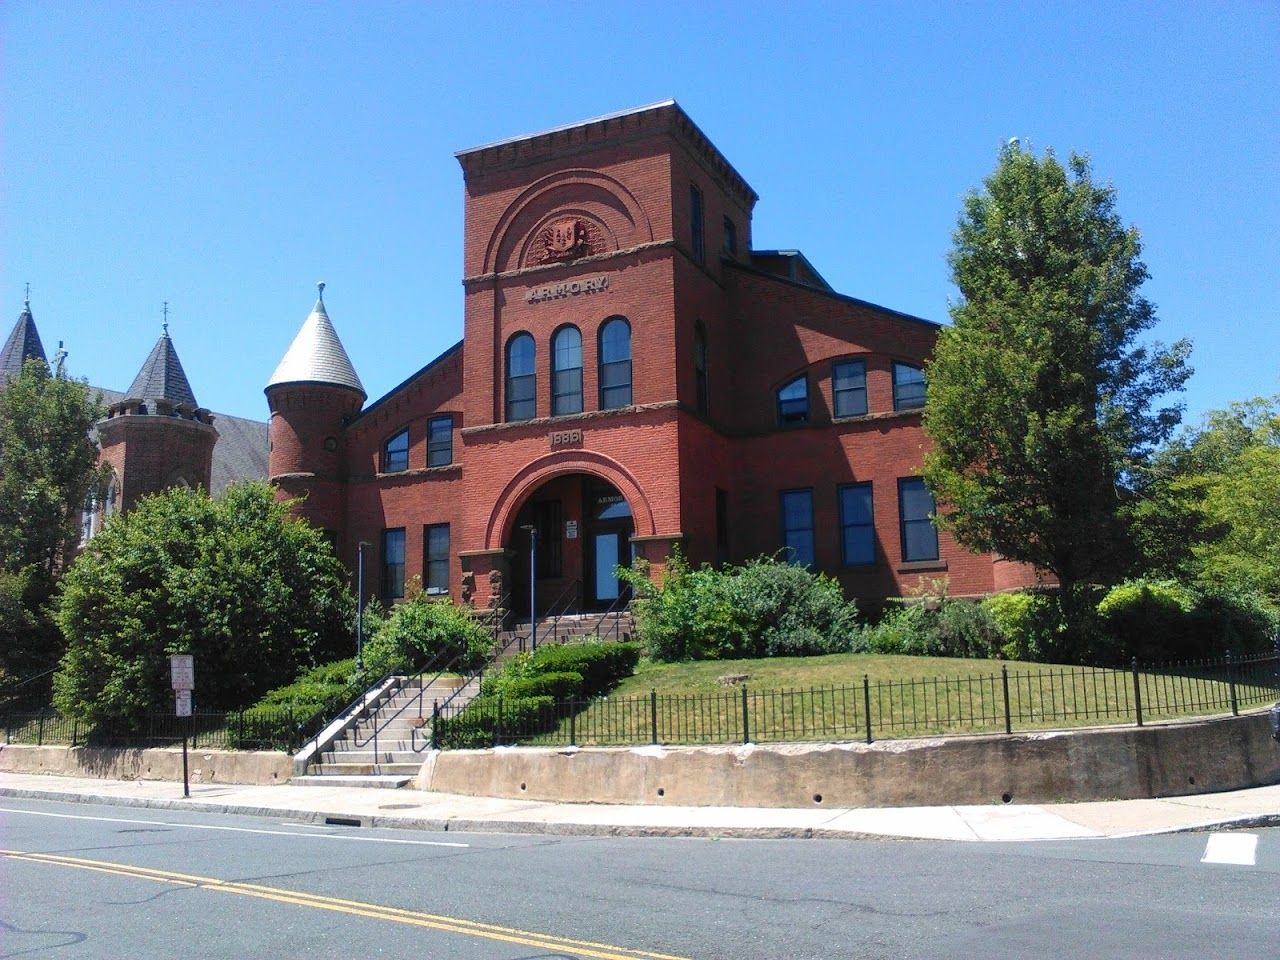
<point>915,510</point>
<point>797,527</point>
<point>695,223</point>
<point>435,565</point>
<point>908,387</point>
<point>730,238</point>
<point>857,525</point>
<point>849,388</point>
<point>440,442</point>
<point>393,564</point>
<point>521,401</point>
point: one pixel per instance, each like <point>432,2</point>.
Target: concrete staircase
<point>385,745</point>
<point>569,628</point>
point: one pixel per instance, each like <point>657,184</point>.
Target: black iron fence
<point>258,728</point>
<point>1013,699</point>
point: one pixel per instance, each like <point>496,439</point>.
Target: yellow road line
<point>471,928</point>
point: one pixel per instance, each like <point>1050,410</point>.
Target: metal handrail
<point>573,590</point>
<point>492,620</point>
<point>613,608</point>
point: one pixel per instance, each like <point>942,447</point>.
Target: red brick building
<point>632,375</point>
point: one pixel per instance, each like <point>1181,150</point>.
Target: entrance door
<point>607,550</point>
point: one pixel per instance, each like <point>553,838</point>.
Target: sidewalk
<point>414,809</point>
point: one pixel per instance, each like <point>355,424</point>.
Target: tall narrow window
<point>393,563</point>
<point>395,453</point>
<point>435,563</point>
<point>440,442</point>
<point>857,525</point>
<point>793,401</point>
<point>915,510</point>
<point>797,527</point>
<point>700,369</point>
<point>730,238</point>
<point>908,387</point>
<point>696,225</point>
<point>566,372</point>
<point>521,379</point>
<point>849,388</point>
<point>615,363</point>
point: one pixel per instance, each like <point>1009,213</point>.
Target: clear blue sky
<point>224,157</point>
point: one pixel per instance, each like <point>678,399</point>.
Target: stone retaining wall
<point>205,766</point>
<point>1095,764</point>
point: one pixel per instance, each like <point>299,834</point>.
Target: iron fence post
<point>75,731</point>
<point>1231,686</point>
<point>40,730</point>
<point>866,703</point>
<point>294,732</point>
<point>573,718</point>
<point>435,724</point>
<point>497,726</point>
<point>240,728</point>
<point>1008,713</point>
<point>8,726</point>
<point>1137,692</point>
<point>746,729</point>
<point>653,714</point>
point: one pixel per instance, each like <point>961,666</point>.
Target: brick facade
<point>571,228</point>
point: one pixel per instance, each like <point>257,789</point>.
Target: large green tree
<point>48,469</point>
<point>255,595</point>
<point>1043,399</point>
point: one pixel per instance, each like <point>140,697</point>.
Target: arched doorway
<point>584,527</point>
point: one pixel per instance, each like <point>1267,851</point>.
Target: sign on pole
<point>182,667</point>
<point>182,703</point>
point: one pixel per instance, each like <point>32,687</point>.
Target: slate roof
<point>23,344</point>
<point>317,355</point>
<point>162,376</point>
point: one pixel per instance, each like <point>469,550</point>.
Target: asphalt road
<point>87,881</point>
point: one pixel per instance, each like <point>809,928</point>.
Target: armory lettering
<point>557,291</point>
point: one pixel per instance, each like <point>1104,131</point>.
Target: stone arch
<point>535,474</point>
<point>594,196</point>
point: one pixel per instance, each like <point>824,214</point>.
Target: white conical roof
<point>317,355</point>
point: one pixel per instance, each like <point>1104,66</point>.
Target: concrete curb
<point>545,828</point>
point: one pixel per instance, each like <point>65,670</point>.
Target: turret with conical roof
<point>312,394</point>
<point>23,345</point>
<point>158,436</point>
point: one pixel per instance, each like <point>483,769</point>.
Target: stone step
<point>383,757</point>
<point>331,770</point>
<point>384,781</point>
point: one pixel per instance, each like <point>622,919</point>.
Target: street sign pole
<point>182,670</point>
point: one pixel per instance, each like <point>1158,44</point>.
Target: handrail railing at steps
<point>567,600</point>
<point>492,621</point>
<point>619,602</point>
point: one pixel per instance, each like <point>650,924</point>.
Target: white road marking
<point>1238,848</point>
<point>273,833</point>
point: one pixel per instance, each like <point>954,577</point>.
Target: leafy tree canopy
<point>1042,399</point>
<point>255,595</point>
<point>48,469</point>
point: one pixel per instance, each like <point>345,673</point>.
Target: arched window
<point>615,364</point>
<point>395,453</point>
<point>793,401</point>
<point>521,379</point>
<point>566,371</point>
<point>700,369</point>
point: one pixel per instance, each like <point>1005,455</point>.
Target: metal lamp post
<point>533,584</point>
<point>360,605</point>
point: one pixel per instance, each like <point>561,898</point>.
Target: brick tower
<point>312,394</point>
<point>158,436</point>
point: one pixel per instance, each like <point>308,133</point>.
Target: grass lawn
<point>824,698</point>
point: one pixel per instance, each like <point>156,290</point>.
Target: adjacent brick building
<point>633,376</point>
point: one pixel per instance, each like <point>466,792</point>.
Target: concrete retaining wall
<point>205,766</point>
<point>1096,764</point>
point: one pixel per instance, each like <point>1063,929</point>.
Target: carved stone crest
<point>468,587</point>
<point>564,239</point>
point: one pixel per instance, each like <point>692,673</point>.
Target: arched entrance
<point>583,527</point>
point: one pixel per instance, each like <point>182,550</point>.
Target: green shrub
<point>601,665</point>
<point>1239,620</point>
<point>1028,623</point>
<point>764,608</point>
<point>422,632</point>
<point>558,686</point>
<point>1147,619</point>
<point>490,720</point>
<point>938,628</point>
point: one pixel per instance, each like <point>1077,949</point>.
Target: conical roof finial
<point>320,291</point>
<point>165,324</point>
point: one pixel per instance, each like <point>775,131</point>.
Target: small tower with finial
<point>312,394</point>
<point>158,435</point>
